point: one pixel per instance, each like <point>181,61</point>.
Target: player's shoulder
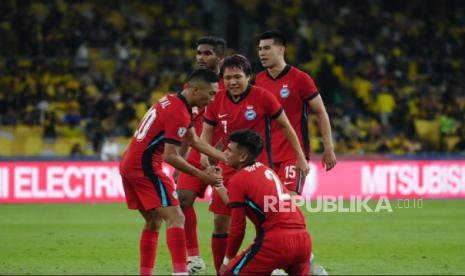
<point>261,76</point>
<point>294,71</point>
<point>174,104</point>
<point>258,91</point>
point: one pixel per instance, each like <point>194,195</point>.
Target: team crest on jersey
<point>250,114</point>
<point>175,194</point>
<point>182,131</point>
<point>284,93</point>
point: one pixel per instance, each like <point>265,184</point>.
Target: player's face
<point>235,80</point>
<point>206,57</point>
<point>205,93</point>
<point>269,53</point>
<point>234,156</point>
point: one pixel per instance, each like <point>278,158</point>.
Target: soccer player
<point>298,95</point>
<point>210,53</point>
<point>147,188</point>
<point>282,240</point>
<point>241,106</point>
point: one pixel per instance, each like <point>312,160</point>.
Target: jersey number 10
<point>146,123</point>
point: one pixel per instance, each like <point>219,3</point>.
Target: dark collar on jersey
<point>282,74</point>
<point>242,96</point>
<point>183,99</point>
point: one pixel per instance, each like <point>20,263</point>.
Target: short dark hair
<point>218,44</point>
<point>248,140</point>
<point>205,75</point>
<point>237,61</point>
<point>276,35</point>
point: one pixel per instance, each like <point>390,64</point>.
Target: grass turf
<point>103,239</point>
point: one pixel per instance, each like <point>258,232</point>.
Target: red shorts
<point>145,193</point>
<point>191,183</point>
<point>291,178</point>
<point>217,205</point>
<point>288,249</point>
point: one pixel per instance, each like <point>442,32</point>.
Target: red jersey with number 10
<point>293,88</point>
<point>167,121</point>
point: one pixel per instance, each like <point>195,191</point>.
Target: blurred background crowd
<point>76,76</point>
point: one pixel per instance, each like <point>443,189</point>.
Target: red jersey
<point>252,188</point>
<point>167,121</point>
<point>293,88</point>
<point>254,110</point>
<point>198,113</point>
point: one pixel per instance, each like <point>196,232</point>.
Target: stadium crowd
<point>390,72</point>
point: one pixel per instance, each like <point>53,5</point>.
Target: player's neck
<point>187,97</point>
<point>277,69</point>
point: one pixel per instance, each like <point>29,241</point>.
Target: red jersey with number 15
<point>293,88</point>
<point>167,121</point>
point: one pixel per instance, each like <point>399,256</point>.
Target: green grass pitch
<point>103,239</point>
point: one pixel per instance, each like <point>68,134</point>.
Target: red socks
<point>219,243</point>
<point>176,240</point>
<point>190,227</point>
<point>148,251</point>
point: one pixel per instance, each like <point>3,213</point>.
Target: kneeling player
<point>282,239</point>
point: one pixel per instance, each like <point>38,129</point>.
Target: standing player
<point>242,106</point>
<point>282,239</point>
<point>297,93</point>
<point>210,53</point>
<point>157,139</point>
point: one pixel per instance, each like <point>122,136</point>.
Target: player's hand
<point>216,172</point>
<point>222,269</point>
<point>302,166</point>
<point>329,159</point>
<point>213,176</point>
<point>204,161</point>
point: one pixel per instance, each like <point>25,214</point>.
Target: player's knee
<point>153,224</point>
<point>221,224</point>
<point>186,199</point>
<point>175,220</point>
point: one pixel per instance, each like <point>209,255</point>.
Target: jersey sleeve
<point>272,106</point>
<point>176,129</point>
<point>238,217</point>
<point>307,87</point>
<point>236,232</point>
<point>210,115</point>
<point>236,192</point>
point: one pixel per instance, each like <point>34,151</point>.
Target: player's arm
<point>172,157</point>
<point>223,192</point>
<point>291,137</point>
<point>236,231</point>
<point>317,106</point>
<point>206,136</point>
<point>203,146</point>
<point>182,152</point>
